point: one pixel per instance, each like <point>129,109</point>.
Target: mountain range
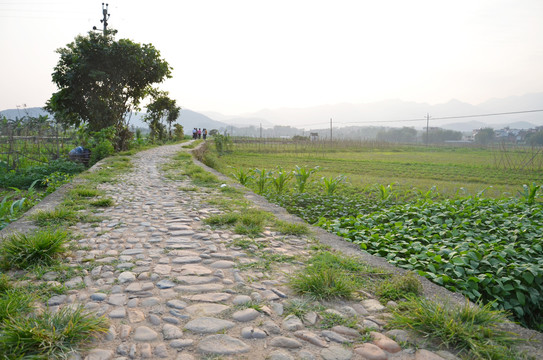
<point>386,113</point>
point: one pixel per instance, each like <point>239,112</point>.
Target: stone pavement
<point>171,289</point>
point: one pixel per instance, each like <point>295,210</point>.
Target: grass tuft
<point>399,287</point>
<point>13,303</point>
<point>42,248</point>
<point>474,331</point>
<point>105,202</point>
<point>49,335</point>
<point>59,216</point>
<point>288,228</point>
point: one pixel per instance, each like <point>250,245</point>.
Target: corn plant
<point>262,179</point>
<point>529,193</point>
<point>385,192</point>
<point>281,179</point>
<point>242,176</point>
<point>331,184</point>
<point>302,175</point>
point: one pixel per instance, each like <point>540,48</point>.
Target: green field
<point>488,245</point>
<point>448,168</point>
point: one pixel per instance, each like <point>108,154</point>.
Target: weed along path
<point>184,267</point>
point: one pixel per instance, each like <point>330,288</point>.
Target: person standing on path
<point>199,133</point>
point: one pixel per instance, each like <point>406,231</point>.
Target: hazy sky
<point>236,56</point>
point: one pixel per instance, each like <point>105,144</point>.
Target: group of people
<point>199,133</point>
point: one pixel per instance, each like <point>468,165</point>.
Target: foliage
<point>529,193</point>
<point>331,184</point>
<point>22,251</point>
<point>281,179</point>
<point>55,180</point>
<point>178,132</point>
<point>49,335</point>
<point>161,109</point>
<point>485,136</point>
<point>535,139</point>
<point>223,143</point>
<point>302,174</point>
<point>24,178</point>
<point>487,249</point>
<point>397,135</point>
<point>475,331</point>
<point>242,176</point>
<point>261,180</point>
<point>58,216</point>
<point>100,80</point>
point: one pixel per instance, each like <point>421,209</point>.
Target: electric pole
<point>106,16</point>
<point>330,129</point>
<point>427,127</point>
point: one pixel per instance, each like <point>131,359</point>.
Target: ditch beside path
<point>172,287</point>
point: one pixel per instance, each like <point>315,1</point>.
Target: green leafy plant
<point>243,176</point>
<point>22,251</point>
<point>281,179</point>
<point>302,174</point>
<point>261,180</point>
<point>529,193</point>
<point>331,184</point>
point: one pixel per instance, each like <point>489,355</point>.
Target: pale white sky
<point>236,56</point>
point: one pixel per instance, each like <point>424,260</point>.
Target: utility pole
<point>260,131</point>
<point>105,19</point>
<point>106,16</point>
<point>427,127</point>
<point>330,129</point>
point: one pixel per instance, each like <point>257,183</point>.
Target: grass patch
<point>13,303</point>
<point>248,244</point>
<point>84,192</point>
<point>399,287</point>
<point>42,248</point>
<point>474,331</point>
<point>301,307</point>
<point>222,219</point>
<point>323,283</point>
<point>59,216</point>
<point>288,228</point>
<point>104,202</point>
<point>49,335</point>
<point>330,275</point>
<point>250,222</point>
<point>330,319</point>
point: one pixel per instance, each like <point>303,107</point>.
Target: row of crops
<point>488,249</point>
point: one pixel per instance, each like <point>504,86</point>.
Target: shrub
<point>24,178</point>
<point>100,151</point>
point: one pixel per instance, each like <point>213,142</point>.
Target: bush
<point>101,151</point>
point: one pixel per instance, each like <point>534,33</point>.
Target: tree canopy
<point>162,108</point>
<point>101,80</point>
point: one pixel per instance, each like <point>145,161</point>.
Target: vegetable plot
<point>487,249</point>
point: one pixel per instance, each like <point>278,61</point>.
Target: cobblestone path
<point>170,287</point>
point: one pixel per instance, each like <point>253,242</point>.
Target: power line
<point>431,118</point>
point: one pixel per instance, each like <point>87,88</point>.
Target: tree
<point>485,136</point>
<point>535,139</point>
<point>162,108</point>
<point>101,80</point>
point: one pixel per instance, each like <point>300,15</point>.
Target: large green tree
<point>101,80</point>
<point>485,136</point>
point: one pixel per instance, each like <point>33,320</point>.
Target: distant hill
<point>188,118</point>
<point>397,113</point>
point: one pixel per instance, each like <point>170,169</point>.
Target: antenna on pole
<point>105,19</point>
<point>106,16</point>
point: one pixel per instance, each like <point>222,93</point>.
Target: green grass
<point>399,287</point>
<point>288,228</point>
<point>49,335</point>
<point>104,202</point>
<point>59,216</point>
<point>14,303</point>
<point>329,320</point>
<point>42,248</point>
<point>474,331</point>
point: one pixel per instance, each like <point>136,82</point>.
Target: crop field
<point>451,169</point>
<point>456,216</point>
